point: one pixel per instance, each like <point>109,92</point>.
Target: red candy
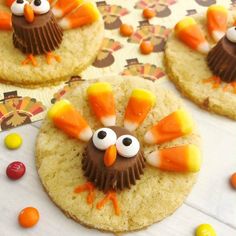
<point>15,170</point>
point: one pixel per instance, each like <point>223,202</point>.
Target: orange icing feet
<point>49,56</point>
<point>87,187</point>
<point>30,59</point>
<point>217,83</point>
<point>111,195</point>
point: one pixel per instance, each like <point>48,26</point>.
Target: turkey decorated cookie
<point>200,59</point>
<point>44,42</point>
<point>118,153</point>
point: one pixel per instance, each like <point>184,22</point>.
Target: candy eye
<point>17,8</point>
<point>231,34</point>
<point>103,138</point>
<point>127,146</point>
<point>40,6</point>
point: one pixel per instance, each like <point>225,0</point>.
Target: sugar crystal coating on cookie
<point>113,159</point>
<point>147,201</point>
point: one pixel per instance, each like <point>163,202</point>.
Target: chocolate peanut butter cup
<point>122,174</point>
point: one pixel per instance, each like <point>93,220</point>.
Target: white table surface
<point>212,200</point>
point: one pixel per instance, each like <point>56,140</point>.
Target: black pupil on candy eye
<point>234,28</point>
<point>127,141</point>
<point>20,1</point>
<point>102,134</point>
<point>37,2</point>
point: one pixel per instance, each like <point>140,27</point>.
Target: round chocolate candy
<point>15,170</point>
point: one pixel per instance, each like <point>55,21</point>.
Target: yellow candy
<point>102,102</point>
<point>13,141</point>
<point>140,103</point>
<point>205,230</point>
<point>175,125</point>
<point>58,107</point>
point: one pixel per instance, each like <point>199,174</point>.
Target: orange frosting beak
<point>28,13</point>
<point>110,156</point>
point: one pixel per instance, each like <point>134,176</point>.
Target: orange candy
<point>126,30</point>
<point>29,13</point>
<point>28,217</point>
<point>148,13</point>
<point>233,180</point>
<point>9,2</point>
<point>110,156</point>
<point>5,21</point>
<point>146,47</point>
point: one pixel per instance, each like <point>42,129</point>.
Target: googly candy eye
<point>231,34</point>
<point>40,6</point>
<point>104,138</point>
<point>127,146</point>
<point>17,8</point>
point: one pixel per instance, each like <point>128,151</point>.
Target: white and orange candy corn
<point>87,13</point>
<point>189,32</point>
<point>102,102</point>
<point>68,119</point>
<point>217,17</point>
<point>5,21</point>
<point>140,103</point>
<point>178,159</point>
<point>175,125</point>
<point>63,7</point>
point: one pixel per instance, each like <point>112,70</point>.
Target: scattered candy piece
<point>233,180</point>
<point>140,103</point>
<point>5,21</point>
<point>177,124</point>
<point>180,159</point>
<point>205,230</point>
<point>148,13</point>
<point>63,7</point>
<point>28,217</point>
<point>191,34</point>
<point>69,120</point>
<point>13,141</point>
<point>102,102</point>
<point>86,14</point>
<point>217,17</point>
<point>146,47</point>
<point>126,30</point>
<point>15,170</point>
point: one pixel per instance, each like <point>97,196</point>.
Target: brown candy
<point>122,174</point>
<point>41,36</point>
<point>222,60</point>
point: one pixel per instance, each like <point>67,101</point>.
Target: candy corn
<point>180,159</point>
<point>102,102</point>
<point>5,21</point>
<point>63,7</point>
<point>139,105</point>
<point>9,2</point>
<point>217,21</point>
<point>86,14</point>
<point>191,34</point>
<point>177,124</point>
<point>66,118</point>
